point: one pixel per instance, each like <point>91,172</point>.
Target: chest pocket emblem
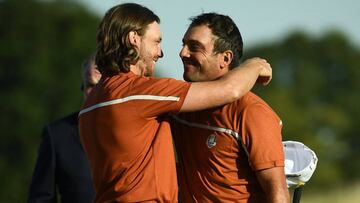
<point>211,141</point>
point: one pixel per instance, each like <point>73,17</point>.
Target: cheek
<point>205,63</point>
<point>198,60</point>
<point>210,67</point>
<point>156,51</point>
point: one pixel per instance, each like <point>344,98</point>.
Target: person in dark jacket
<point>62,167</point>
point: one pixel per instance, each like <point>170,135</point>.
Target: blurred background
<point>313,47</point>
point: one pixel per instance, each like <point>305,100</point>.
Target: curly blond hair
<point>114,52</point>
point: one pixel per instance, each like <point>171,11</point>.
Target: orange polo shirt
<point>213,165</point>
<point>128,141</point>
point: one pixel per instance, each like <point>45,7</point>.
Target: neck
<point>136,70</point>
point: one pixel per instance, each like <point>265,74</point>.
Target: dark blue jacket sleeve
<point>43,187</point>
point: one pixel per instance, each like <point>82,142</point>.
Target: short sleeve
<point>262,136</point>
<point>163,95</point>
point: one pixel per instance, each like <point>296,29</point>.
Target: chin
<point>149,72</point>
<point>188,78</point>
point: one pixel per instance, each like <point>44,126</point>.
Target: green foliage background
<point>315,89</point>
<point>42,46</point>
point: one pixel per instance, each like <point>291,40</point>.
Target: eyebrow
<point>196,42</point>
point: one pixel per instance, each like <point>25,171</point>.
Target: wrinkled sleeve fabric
<point>169,96</point>
<point>262,130</point>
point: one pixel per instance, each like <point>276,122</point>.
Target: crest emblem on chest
<point>211,141</point>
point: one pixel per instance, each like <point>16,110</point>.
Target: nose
<point>184,52</point>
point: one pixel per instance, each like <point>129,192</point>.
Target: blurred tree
<point>43,44</point>
<point>315,90</point>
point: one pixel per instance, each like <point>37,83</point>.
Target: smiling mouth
<point>189,67</point>
<point>189,62</point>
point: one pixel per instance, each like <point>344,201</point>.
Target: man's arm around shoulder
<point>231,87</point>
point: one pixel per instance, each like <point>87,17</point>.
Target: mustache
<point>187,61</point>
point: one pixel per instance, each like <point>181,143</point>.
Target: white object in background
<point>300,163</point>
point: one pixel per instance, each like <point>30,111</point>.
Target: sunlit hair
<point>227,34</point>
<point>114,52</point>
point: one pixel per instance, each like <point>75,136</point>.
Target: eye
<point>193,47</point>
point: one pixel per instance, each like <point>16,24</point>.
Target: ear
<point>134,38</point>
<point>226,59</point>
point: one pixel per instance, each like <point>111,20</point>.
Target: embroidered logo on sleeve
<point>211,141</point>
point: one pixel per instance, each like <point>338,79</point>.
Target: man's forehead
<point>153,29</point>
<point>201,33</point>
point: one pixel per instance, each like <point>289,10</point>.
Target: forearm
<point>273,183</point>
<point>278,195</point>
<point>229,88</point>
<point>237,82</point>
